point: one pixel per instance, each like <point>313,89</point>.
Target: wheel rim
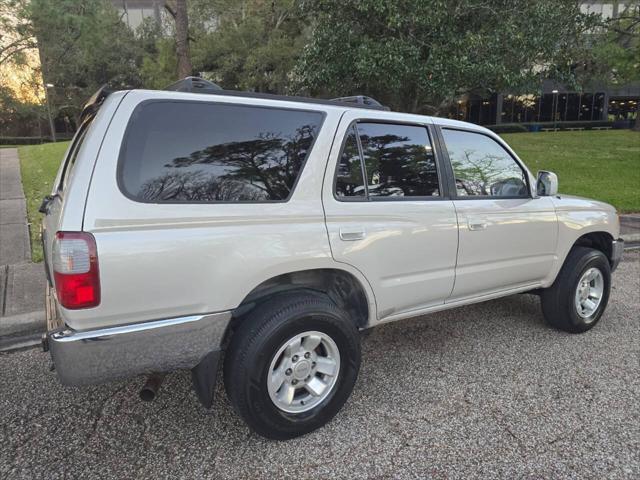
<point>303,372</point>
<point>589,292</point>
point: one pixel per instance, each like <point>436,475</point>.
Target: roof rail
<point>200,85</point>
<point>195,85</point>
<point>361,100</point>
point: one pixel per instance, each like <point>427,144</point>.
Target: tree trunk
<point>182,39</point>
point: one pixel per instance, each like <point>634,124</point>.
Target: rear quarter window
<point>194,152</point>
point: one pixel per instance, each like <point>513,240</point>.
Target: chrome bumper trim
<point>97,356</point>
<point>617,249</point>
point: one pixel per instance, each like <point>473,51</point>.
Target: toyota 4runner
<point>185,224</point>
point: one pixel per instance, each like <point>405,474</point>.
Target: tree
<point>250,44</point>
<point>83,45</point>
<point>178,10</point>
<point>418,55</point>
<point>15,31</point>
<point>614,59</point>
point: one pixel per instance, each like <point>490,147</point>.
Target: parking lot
<point>484,391</point>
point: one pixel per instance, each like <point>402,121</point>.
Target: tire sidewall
<point>266,417</point>
<point>593,259</point>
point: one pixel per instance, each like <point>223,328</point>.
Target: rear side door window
<point>382,160</point>
<point>482,167</point>
<point>350,175</point>
<point>196,152</point>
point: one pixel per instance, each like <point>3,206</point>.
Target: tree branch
<point>170,10</point>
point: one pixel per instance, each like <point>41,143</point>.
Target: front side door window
<point>506,238</point>
<point>482,167</point>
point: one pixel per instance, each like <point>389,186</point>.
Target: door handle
<point>350,235</point>
<point>477,224</point>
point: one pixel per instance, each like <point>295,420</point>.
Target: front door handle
<point>477,224</point>
<point>352,234</point>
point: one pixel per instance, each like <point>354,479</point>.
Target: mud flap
<point>204,376</point>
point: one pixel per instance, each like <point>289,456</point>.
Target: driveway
<point>484,391</point>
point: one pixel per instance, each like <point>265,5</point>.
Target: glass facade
<point>546,107</point>
<point>625,108</point>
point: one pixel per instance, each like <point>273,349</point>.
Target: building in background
<point>554,102</point>
<point>135,11</point>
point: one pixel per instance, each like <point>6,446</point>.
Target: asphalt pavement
<point>486,391</point>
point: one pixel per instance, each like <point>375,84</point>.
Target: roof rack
<point>200,85</point>
<point>194,85</point>
<point>361,100</point>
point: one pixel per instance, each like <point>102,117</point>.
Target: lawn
<point>39,165</point>
<point>604,165</point>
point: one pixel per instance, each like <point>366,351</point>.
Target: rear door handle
<point>350,235</point>
<point>477,224</point>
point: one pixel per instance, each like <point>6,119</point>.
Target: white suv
<point>274,229</point>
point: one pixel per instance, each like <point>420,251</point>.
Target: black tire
<point>255,342</point>
<point>558,301</point>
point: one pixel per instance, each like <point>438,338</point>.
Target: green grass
<point>604,165</point>
<point>39,165</point>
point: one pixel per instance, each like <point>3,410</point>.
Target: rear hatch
<point>52,206</point>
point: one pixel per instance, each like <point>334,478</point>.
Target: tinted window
<point>399,160</point>
<point>202,152</point>
<point>482,167</point>
<point>349,181</point>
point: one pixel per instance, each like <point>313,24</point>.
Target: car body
<point>177,276</point>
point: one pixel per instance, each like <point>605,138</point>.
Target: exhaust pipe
<point>150,389</point>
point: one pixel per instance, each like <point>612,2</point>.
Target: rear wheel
<point>577,299</point>
<point>292,364</point>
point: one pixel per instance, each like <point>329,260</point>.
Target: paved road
<point>485,391</point>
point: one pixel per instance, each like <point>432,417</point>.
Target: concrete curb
<point>23,323</point>
<point>13,343</point>
<point>631,237</point>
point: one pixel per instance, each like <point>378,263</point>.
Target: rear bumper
<point>97,356</point>
<point>617,249</point>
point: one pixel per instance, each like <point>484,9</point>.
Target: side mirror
<point>547,184</point>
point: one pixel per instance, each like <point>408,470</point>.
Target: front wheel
<point>292,364</point>
<point>577,299</point>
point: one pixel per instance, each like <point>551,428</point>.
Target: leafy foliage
<point>614,59</point>
<point>615,56</point>
<point>251,45</point>
<point>83,44</point>
<point>417,54</point>
<point>15,34</point>
<point>18,118</point>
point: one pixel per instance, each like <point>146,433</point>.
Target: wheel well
<point>599,240</point>
<point>342,287</point>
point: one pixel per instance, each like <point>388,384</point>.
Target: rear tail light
<point>75,270</point>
